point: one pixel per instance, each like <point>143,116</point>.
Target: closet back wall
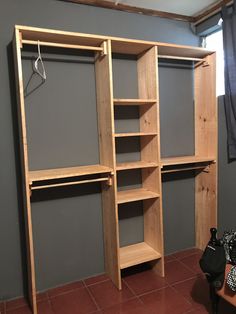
<point>68,231</point>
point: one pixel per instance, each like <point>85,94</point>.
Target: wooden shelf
<point>70,172</point>
<point>119,45</point>
<point>172,161</point>
<point>135,165</point>
<point>136,254</point>
<point>135,134</point>
<point>133,195</point>
<point>134,102</point>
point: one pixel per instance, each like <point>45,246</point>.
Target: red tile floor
<point>183,290</point>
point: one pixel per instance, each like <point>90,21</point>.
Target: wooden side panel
<point>104,86</point>
<point>25,171</point>
<point>206,142</point>
<point>150,152</point>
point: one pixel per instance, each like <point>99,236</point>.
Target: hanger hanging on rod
<point>38,61</point>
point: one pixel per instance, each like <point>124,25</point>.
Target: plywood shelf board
<point>60,173</point>
<point>119,45</point>
<point>136,254</point>
<point>171,161</point>
<point>135,165</point>
<point>133,195</point>
<point>135,134</point>
<point>134,102</point>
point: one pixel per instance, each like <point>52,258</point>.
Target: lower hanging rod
<point>68,183</point>
<point>184,169</point>
<point>51,44</point>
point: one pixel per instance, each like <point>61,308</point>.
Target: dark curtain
<point>229,39</point>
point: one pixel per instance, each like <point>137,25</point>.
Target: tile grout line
<point>188,267</point>
<point>137,296</point>
<point>147,292</point>
<point>95,283</point>
<point>174,289</point>
<point>65,292</point>
<point>93,298</point>
<point>51,306</point>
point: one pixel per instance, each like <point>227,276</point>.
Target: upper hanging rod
<point>179,58</point>
<point>51,44</point>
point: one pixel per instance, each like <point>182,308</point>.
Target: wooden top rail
<point>60,45</point>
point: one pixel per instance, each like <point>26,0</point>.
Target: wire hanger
<point>42,73</point>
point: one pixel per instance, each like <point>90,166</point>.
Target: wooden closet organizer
<point>151,165</point>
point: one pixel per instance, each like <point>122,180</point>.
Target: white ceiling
<point>184,7</point>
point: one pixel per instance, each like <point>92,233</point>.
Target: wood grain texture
<point>150,152</point>
<point>133,195</point>
<point>147,134</point>
<point>134,102</point>
<point>183,160</point>
<point>136,254</point>
<point>106,129</point>
<point>135,165</point>
<point>119,45</point>
<point>69,172</point>
<point>25,171</point>
<point>206,144</point>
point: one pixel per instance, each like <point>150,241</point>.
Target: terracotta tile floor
<point>184,290</point>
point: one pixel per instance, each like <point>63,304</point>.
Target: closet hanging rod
<point>39,187</point>
<point>179,58</point>
<point>51,44</point>
<point>183,169</point>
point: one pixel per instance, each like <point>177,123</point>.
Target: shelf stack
<point>151,249</point>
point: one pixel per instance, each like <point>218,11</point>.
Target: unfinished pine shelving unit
<point>150,164</point>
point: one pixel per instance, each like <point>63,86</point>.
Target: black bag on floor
<point>213,261</point>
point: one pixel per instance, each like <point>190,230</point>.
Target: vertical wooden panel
<point>150,151</point>
<point>206,144</point>
<point>104,87</point>
<point>25,171</point>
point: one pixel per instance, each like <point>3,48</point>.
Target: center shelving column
<point>151,249</point>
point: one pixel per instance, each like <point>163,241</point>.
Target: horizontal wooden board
<point>59,173</point>
<point>136,254</point>
<point>171,161</point>
<point>133,195</point>
<point>134,102</point>
<point>119,45</point>
<point>135,165</point>
<point>135,134</point>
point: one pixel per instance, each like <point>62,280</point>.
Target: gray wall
<point>226,181</point>
<point>64,219</point>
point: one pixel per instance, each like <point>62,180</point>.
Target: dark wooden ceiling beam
<point>133,9</point>
<point>210,11</point>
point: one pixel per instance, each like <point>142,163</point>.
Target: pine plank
<point>133,102</point>
<point>135,134</point>
<point>119,45</point>
<point>106,128</point>
<point>136,254</point>
<point>60,173</point>
<point>171,161</point>
<point>133,195</point>
<point>135,165</point>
